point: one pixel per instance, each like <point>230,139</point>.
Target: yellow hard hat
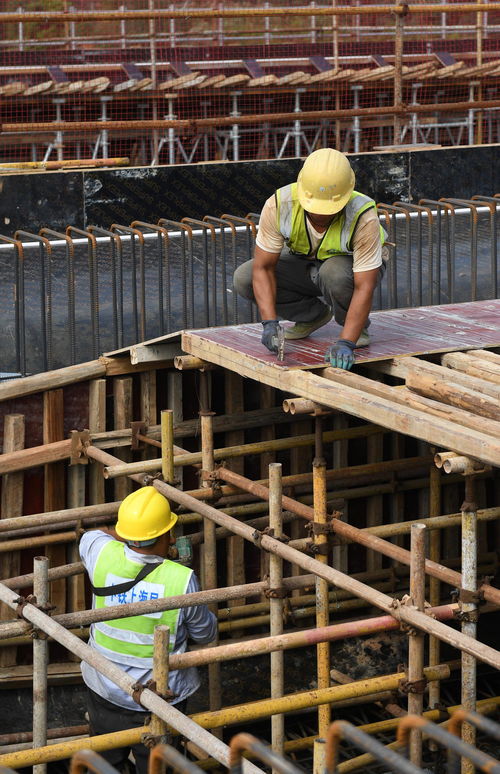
<point>325,182</point>
<point>144,515</point>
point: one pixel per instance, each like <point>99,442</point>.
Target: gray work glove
<point>341,354</point>
<point>270,335</point>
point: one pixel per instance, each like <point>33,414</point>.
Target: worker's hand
<point>341,354</point>
<point>270,335</point>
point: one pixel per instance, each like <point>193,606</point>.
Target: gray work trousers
<point>305,287</point>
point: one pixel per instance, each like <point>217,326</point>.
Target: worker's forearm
<point>357,314</point>
<point>264,288</point>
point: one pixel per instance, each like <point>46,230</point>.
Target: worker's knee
<point>336,275</point>
<point>337,271</point>
<point>242,280</point>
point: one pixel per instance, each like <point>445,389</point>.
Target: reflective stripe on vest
<point>291,223</point>
<point>130,640</point>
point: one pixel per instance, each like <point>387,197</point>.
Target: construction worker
<point>127,564</point>
<point>319,248</point>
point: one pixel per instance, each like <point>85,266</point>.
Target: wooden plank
<point>97,424</point>
<point>148,408</point>
<point>23,459</point>
<point>53,493</point>
<point>481,369</point>
<point>122,392</point>
<point>485,354</point>
<point>402,396</point>
<point>461,397</point>
<point>401,367</point>
<point>355,401</point>
<point>17,388</point>
<point>11,506</point>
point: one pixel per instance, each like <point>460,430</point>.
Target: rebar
<point>165,754</point>
<point>88,760</point>
<point>258,749</point>
<point>341,728</point>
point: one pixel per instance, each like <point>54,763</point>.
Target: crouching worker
<point>133,556</point>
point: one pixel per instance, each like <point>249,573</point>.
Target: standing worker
<point>319,247</point>
<point>132,556</point>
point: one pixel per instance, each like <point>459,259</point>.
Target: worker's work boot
<point>364,338</point>
<point>303,329</point>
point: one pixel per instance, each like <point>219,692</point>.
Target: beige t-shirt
<point>367,248</point>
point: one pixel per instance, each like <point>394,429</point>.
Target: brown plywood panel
<point>394,333</point>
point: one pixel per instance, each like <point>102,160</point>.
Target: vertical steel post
<point>167,445</point>
<point>434,583</point>
<point>469,609</point>
<point>40,660</point>
<point>160,677</point>
<point>416,638</point>
<point>322,601</point>
<point>154,78</point>
<point>398,73</point>
<point>276,605</point>
<point>209,538</point>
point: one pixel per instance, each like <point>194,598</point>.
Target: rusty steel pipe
<point>276,605</point>
<point>384,602</point>
<point>416,638</point>
<point>165,753</point>
<point>114,612</point>
<point>343,729</point>
<point>193,125</point>
<point>149,700</point>
<point>167,445</point>
<point>246,742</point>
<point>40,660</point>
<point>161,669</point>
<point>322,600</point>
<point>356,535</point>
<point>468,609</point>
<point>235,13</point>
<point>20,737</point>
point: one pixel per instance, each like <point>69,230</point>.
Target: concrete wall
<point>102,197</point>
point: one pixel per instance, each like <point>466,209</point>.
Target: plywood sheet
<point>394,333</point>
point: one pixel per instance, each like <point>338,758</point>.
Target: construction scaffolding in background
<point>287,436</point>
<point>163,85</point>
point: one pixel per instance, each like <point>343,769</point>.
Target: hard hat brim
<point>321,206</point>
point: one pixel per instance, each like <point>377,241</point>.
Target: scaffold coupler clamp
<point>34,632</point>
<point>150,478</point>
<point>317,528</point>
<point>278,592</point>
<point>467,597</point>
<point>398,605</point>
<point>80,440</point>
<point>214,480</point>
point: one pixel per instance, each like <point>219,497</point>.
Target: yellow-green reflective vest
<point>291,223</point>
<point>130,640</point>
